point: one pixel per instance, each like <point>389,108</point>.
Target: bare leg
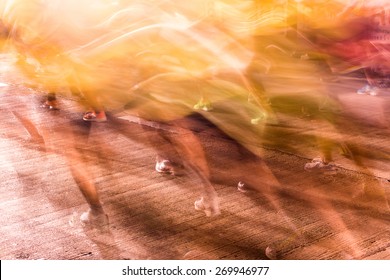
<point>195,160</point>
<point>185,145</point>
<point>96,215</point>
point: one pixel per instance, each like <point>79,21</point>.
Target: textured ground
<point>310,216</point>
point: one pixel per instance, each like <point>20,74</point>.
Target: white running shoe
<point>164,166</point>
<point>369,90</point>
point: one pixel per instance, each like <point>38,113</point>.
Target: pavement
<point>339,213</point>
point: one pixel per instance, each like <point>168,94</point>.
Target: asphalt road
<point>342,213</point>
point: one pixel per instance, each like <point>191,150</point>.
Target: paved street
<point>341,213</point>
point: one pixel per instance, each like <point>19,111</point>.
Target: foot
<point>271,253</point>
<point>241,187</point>
<point>96,219</point>
<point>51,105</point>
<point>369,90</point>
<point>317,164</point>
<point>209,210</point>
<point>95,117</point>
<point>164,166</point>
<point>374,91</point>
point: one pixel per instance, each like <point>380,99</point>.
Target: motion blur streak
<point>253,62</point>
